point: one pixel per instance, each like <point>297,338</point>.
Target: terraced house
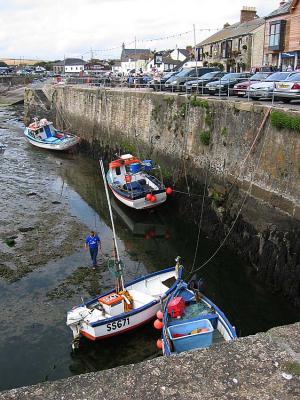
<point>282,36</point>
<point>237,47</point>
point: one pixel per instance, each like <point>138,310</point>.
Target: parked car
<point>198,85</point>
<point>160,84</point>
<point>227,82</point>
<point>240,89</point>
<point>176,82</point>
<point>289,89</point>
<point>264,90</point>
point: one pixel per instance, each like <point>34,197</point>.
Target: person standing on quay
<point>93,242</point>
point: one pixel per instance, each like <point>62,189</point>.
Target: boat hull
<point>224,327</point>
<point>142,203</point>
<point>62,146</point>
<point>125,321</point>
<point>122,324</point>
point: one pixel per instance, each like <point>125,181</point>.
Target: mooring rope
<point>242,204</point>
<point>201,217</point>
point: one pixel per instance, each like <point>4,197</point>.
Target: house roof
<point>70,61</point>
<point>135,54</point>
<point>284,9</point>
<point>185,52</point>
<point>234,30</point>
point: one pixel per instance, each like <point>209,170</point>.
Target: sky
<point>54,29</point>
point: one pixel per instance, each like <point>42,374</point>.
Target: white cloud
<point>50,29</point>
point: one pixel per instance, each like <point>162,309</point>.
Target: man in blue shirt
<point>93,242</point>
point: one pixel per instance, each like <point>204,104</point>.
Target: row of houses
<point>253,42</point>
<point>140,59</point>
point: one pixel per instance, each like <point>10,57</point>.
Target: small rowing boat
<point>131,183</point>
<point>43,134</point>
<point>192,321</point>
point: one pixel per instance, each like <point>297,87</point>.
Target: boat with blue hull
<point>43,134</point>
<point>192,321</point>
<point>132,184</point>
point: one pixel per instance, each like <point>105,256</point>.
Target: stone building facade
<point>236,47</point>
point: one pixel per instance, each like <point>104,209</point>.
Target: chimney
<point>248,14</point>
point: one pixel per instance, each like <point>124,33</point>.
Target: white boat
<point>43,134</point>
<point>127,306</point>
<point>117,312</point>
<point>131,183</point>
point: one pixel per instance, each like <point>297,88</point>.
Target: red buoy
<point>148,197</point>
<point>158,324</point>
<point>159,314</point>
<point>159,344</point>
<point>153,199</point>
<point>169,191</point>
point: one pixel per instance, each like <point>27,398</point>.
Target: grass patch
<point>282,120</point>
<point>224,131</point>
<point>205,137</point>
<point>10,242</point>
<point>292,367</point>
<point>169,100</point>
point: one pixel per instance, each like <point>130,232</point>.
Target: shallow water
<point>35,344</point>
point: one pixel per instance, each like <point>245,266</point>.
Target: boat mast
<point>119,268</point>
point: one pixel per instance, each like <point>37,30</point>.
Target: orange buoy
<point>159,314</point>
<point>169,191</point>
<point>159,344</point>
<point>158,324</point>
<point>148,197</point>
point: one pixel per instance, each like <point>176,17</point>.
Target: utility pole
<point>195,55</point>
<point>135,61</point>
<point>135,54</point>
<point>92,55</point>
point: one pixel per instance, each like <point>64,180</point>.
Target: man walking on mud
<point>93,242</point>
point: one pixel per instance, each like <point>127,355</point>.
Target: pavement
<point>265,366</point>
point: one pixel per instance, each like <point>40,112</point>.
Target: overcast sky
<point>50,29</point>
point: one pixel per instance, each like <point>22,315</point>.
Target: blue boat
<point>192,321</point>
<point>43,134</point>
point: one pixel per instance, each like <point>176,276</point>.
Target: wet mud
<point>35,223</point>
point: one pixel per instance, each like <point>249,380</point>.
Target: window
<point>223,50</point>
<point>276,35</point>
<point>210,50</point>
<point>200,54</point>
<point>240,45</point>
<point>229,48</point>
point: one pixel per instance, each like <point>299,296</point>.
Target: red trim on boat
<point>91,337</point>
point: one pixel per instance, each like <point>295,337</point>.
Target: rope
<point>201,215</point>
<point>252,146</point>
<point>242,204</point>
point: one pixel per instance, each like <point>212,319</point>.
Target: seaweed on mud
<point>83,279</point>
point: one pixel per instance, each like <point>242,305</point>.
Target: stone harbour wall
<point>251,167</point>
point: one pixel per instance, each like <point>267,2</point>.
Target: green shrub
<point>205,137</point>
<point>282,120</point>
<point>196,102</point>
